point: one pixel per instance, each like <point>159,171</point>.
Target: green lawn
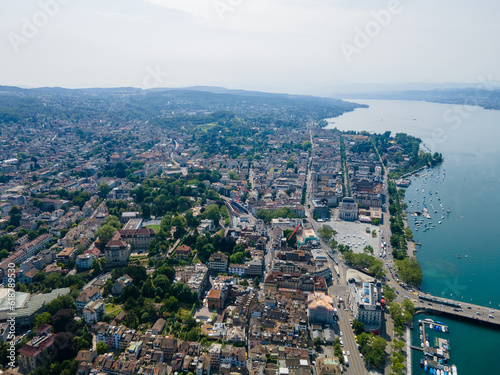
<point>111,308</point>
<point>155,227</point>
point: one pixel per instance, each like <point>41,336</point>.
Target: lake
<point>462,194</point>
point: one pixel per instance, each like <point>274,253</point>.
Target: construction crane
<point>294,231</point>
<point>240,188</point>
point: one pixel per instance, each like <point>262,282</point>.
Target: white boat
<point>439,222</point>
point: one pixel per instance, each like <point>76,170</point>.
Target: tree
<point>61,302</point>
<point>389,293</point>
<point>372,348</point>
<point>66,346</point>
<point>105,233</point>
<point>237,258</point>
<point>15,216</point>
<point>43,318</point>
<point>326,232</point>
<point>101,348</point>
<point>63,319</point>
<point>317,343</point>
<point>368,249</point>
<point>409,271</point>
<point>358,326</point>
<point>256,282</point>
<point>7,243</point>
<point>333,244</point>
<point>103,189</point>
<point>212,212</point>
<point>162,282</point>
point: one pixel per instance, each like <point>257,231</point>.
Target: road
<point>339,289</point>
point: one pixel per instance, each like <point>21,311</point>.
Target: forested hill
<point>40,105</point>
<point>481,96</point>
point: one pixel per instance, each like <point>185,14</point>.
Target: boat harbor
<point>436,354</point>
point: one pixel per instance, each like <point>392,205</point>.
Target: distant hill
<point>126,104</point>
<point>481,96</point>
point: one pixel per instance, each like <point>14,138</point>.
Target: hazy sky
<point>299,46</point>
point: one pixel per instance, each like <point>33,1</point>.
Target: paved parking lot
<point>355,235</point>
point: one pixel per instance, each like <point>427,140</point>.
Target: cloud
<point>197,8</point>
<point>122,16</point>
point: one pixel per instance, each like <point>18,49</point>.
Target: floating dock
<point>437,354</point>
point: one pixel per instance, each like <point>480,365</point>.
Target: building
<point>198,278</point>
<point>66,254</point>
<point>328,366</point>
<point>215,354</point>
<point>320,309</point>
<point>27,306</point>
<point>158,326</point>
<point>84,261</point>
<point>120,284</point>
<point>86,296</point>
<point>237,269</point>
<point>216,298</point>
<point>183,252</point>
<point>126,216</point>
<point>4,332</point>
<point>117,252</point>
<point>233,356</point>
<point>364,299</point>
<point>293,283</point>
<point>38,351</point>
<point>348,210</point>
<point>320,209</point>
<point>255,267</point>
<point>217,262</point>
<point>139,239</point>
<point>93,312</point>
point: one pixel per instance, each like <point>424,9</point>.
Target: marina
<point>437,355</point>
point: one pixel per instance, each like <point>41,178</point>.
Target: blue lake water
<point>468,186</point>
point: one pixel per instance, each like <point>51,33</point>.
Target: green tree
<point>326,232</point>
<point>103,189</point>
<point>237,258</point>
<point>101,348</point>
<point>256,282</point>
<point>372,348</point>
<point>389,293</point>
<point>43,318</point>
<point>105,233</point>
<point>358,326</point>
<point>212,212</point>
<point>15,216</point>
<point>317,343</point>
<point>409,271</point>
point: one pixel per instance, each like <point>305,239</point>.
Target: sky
<point>294,46</point>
